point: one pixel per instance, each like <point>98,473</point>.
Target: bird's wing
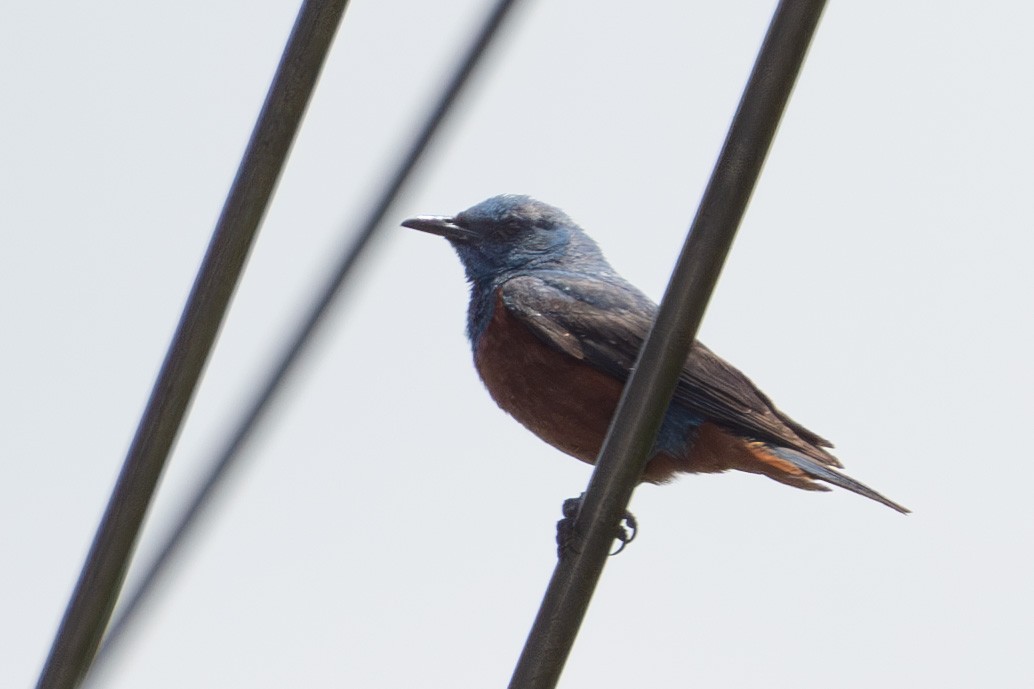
<point>604,324</point>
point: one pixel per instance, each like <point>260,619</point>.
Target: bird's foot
<point>567,539</point>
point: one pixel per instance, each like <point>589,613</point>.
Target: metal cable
<point>97,589</point>
<point>650,387</point>
<point>231,453</point>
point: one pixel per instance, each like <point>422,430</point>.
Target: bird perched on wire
<point>555,332</point>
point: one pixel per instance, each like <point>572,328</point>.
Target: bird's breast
<point>569,403</point>
<point>558,397</point>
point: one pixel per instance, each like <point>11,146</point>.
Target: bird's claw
<point>625,531</point>
<point>566,538</point>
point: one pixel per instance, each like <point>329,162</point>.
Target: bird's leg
<point>566,537</point>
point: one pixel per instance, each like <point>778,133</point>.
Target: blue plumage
<point>555,331</point>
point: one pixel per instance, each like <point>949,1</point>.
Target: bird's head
<point>512,233</point>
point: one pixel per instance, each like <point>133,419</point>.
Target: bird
<point>555,331</point>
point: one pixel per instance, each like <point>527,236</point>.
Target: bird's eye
<point>512,227</point>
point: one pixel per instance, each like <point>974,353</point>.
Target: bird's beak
<point>441,225</point>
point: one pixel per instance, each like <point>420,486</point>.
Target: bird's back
<point>602,321</point>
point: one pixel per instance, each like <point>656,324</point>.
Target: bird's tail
<point>824,473</point>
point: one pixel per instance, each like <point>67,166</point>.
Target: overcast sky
<point>393,528</point>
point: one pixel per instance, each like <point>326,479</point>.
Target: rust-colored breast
<point>554,395</point>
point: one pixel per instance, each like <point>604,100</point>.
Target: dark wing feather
<point>604,323</point>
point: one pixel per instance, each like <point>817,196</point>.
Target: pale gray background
<point>392,527</point>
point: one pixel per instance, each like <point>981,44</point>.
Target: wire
<point>650,387</point>
<point>299,341</point>
<point>100,580</point>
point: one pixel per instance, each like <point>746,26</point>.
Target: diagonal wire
<point>296,346</point>
<point>97,589</point>
<point>650,387</point>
